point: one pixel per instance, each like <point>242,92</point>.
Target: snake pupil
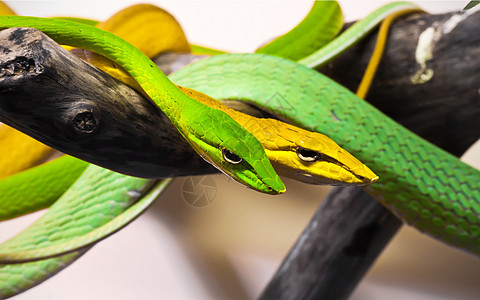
<point>230,157</point>
<point>307,155</point>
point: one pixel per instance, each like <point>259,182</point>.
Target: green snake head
<point>237,153</point>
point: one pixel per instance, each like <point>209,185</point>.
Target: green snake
<point>210,132</point>
<point>440,201</point>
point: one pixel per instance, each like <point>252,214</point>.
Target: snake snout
<point>273,187</point>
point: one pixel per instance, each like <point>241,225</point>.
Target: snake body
<point>38,187</point>
<point>424,185</point>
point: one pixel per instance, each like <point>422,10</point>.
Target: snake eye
<point>307,155</point>
<point>230,157</point>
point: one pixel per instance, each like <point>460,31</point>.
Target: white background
<point>231,249</point>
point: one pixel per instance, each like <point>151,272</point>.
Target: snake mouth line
<point>329,159</point>
<point>367,180</point>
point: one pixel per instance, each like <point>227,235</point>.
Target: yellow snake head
<point>314,158</point>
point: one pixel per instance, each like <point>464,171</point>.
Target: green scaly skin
<point>422,184</point>
<point>98,203</point>
<point>85,213</point>
<point>208,130</point>
<point>38,187</point>
<point>348,37</point>
<point>18,278</point>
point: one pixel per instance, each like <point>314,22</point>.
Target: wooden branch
<point>51,95</point>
